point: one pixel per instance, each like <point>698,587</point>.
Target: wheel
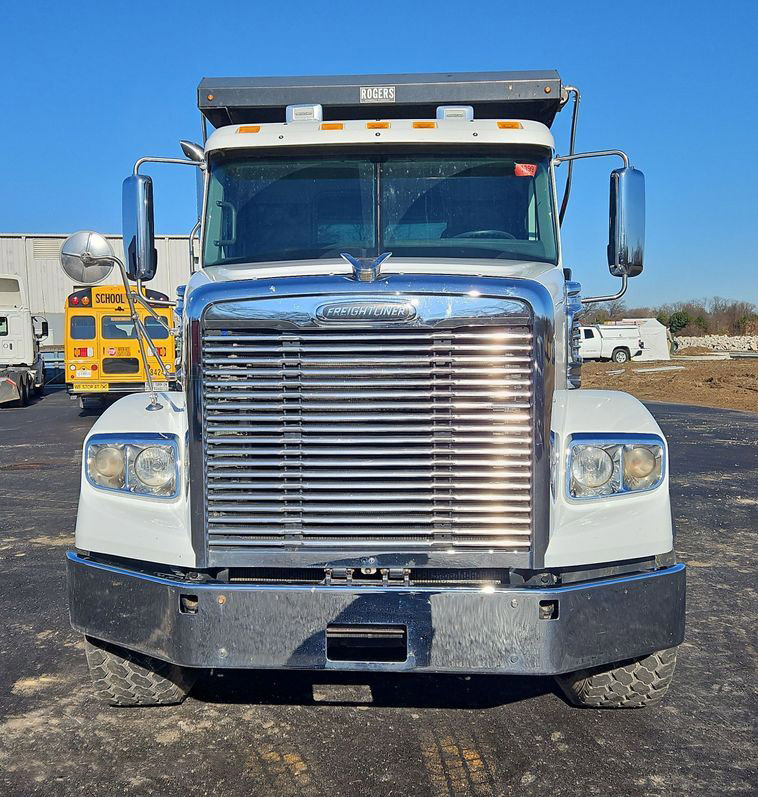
<point>620,356</point>
<point>23,393</point>
<point>125,678</point>
<point>631,684</point>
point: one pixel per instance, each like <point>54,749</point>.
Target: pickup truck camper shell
<point>535,95</point>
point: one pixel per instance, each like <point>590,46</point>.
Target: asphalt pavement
<point>301,733</point>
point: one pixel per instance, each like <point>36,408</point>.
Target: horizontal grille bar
<point>359,438</point>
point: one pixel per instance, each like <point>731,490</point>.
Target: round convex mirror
<point>86,257</point>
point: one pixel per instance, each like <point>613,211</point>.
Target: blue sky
<point>89,87</point>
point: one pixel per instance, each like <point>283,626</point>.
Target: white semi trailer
<point>21,365</point>
<point>378,458</point>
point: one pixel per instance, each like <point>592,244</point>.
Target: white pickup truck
<point>615,343</point>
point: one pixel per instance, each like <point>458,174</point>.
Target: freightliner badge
<point>366,311</point>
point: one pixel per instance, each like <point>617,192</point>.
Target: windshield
<point>121,328</point>
<point>413,205</point>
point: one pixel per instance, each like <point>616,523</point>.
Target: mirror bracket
<point>93,249</point>
<point>180,161</point>
<point>612,297</point>
<point>601,153</point>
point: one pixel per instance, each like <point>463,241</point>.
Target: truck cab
<point>377,457</point>
<point>21,366</point>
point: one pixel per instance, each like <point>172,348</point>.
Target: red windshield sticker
<point>525,169</point>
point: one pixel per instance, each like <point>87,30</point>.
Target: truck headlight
<point>133,463</point>
<point>106,465</point>
<point>599,467</point>
<point>154,466</point>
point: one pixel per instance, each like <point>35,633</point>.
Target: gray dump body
<point>535,95</point>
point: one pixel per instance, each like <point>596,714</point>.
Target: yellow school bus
<point>101,347</point>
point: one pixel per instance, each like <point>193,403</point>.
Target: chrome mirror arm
<point>180,161</point>
<point>142,336</point>
<point>601,153</point>
<point>595,299</point>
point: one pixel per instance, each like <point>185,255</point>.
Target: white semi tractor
<point>378,458</point>
<point>22,372</point>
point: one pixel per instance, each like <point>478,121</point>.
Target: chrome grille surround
<point>370,444</point>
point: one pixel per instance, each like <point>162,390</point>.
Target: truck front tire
<point>629,684</point>
<point>125,678</point>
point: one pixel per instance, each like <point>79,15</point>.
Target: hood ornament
<point>365,269</point>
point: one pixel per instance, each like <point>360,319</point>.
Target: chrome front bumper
<point>447,630</point>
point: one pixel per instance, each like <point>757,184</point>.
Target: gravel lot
<point>252,733</point>
<point>728,384</point>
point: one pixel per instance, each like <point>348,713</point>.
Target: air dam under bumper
<point>447,630</point>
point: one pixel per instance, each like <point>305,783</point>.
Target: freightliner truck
<point>22,373</point>
<point>378,458</point>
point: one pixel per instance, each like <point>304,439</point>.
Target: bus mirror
<point>626,235</point>
<point>141,257</point>
<point>86,257</point>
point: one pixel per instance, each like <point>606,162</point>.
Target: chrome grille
<point>375,439</point>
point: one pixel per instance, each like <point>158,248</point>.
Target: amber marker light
<point>424,125</point>
<point>332,126</point>
<point>249,129</point>
<point>510,125</point>
<point>377,125</point>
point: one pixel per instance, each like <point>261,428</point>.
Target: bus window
<point>121,328</point>
<point>82,327</point>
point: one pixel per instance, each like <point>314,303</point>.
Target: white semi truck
<point>21,367</point>
<point>378,458</point>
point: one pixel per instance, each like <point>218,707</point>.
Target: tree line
<point>715,316</point>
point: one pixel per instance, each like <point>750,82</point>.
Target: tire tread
<point>630,684</point>
<point>125,678</point>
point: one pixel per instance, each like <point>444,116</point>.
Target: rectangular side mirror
<point>140,255</point>
<point>626,234</point>
<point>40,327</point>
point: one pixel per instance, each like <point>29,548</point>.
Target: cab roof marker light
<point>424,125</point>
<point>249,129</point>
<point>459,112</point>
<point>377,125</point>
<point>332,126</point>
<point>510,125</point>
<point>304,113</point>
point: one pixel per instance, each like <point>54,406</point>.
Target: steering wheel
<point>484,234</point>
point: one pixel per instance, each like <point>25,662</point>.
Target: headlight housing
<point>601,467</point>
<point>130,463</point>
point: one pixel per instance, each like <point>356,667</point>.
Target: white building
<point>34,257</point>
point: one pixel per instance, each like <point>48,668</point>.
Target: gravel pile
<point>720,342</point>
